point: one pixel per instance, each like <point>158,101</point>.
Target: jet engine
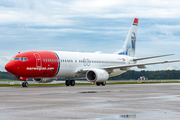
<point>97,75</point>
<point>43,80</point>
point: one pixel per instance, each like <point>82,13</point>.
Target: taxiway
<point>140,101</point>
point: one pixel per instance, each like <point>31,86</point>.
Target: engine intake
<point>97,75</point>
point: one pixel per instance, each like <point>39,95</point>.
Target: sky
<point>89,26</point>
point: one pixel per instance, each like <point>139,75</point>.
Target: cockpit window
<point>25,58</point>
<point>16,58</point>
<point>20,58</point>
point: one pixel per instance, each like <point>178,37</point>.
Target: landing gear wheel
<point>67,82</point>
<point>98,83</point>
<point>25,84</point>
<point>103,83</point>
<point>72,82</point>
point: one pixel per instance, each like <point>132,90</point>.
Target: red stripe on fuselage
<point>39,64</point>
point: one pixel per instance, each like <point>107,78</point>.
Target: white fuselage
<point>71,62</point>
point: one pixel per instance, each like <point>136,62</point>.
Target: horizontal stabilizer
<point>136,59</point>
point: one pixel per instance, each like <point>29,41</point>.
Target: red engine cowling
<point>97,75</point>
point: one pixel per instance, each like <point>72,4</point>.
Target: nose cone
<point>8,66</point>
<point>11,67</point>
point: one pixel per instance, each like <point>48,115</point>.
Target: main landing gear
<point>70,82</point>
<point>25,84</point>
<point>100,83</point>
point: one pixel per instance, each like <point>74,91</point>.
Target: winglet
<point>135,21</point>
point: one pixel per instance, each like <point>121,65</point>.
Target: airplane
<point>45,66</point>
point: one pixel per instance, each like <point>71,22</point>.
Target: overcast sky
<point>89,26</point>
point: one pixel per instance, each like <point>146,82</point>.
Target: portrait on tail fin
<point>133,40</point>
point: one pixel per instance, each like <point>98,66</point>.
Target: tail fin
<point>130,43</point>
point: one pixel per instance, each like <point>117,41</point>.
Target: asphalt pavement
<point>110,102</point>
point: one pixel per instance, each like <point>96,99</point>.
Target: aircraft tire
<point>98,83</point>
<point>72,82</point>
<point>67,82</point>
<point>103,83</point>
<point>25,84</point>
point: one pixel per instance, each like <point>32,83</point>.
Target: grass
<point>6,80</point>
<point>145,82</point>
<point>79,84</point>
<point>59,84</point>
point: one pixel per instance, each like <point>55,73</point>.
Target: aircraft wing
<point>136,59</point>
<point>139,65</point>
<point>125,66</point>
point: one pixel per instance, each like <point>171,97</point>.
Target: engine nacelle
<point>97,75</point>
<point>43,80</point>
